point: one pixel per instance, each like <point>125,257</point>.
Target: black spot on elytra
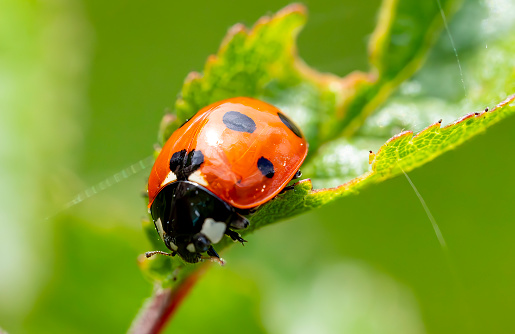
<point>266,167</point>
<point>183,164</point>
<point>290,124</point>
<point>239,122</point>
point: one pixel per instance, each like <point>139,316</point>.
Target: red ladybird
<point>232,156</point>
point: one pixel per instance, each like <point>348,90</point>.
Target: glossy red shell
<point>230,168</point>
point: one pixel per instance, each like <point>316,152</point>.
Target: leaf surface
<point>334,113</point>
<point>263,63</point>
<point>403,152</point>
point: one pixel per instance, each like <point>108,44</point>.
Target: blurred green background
<point>83,86</point>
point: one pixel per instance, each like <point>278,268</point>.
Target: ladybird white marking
<point>160,229</point>
<point>191,248</point>
<point>213,230</point>
<point>198,178</point>
<point>169,179</point>
<point>173,246</point>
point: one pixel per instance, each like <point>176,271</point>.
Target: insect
<point>232,156</point>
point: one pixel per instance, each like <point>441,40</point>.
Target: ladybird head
<point>190,219</point>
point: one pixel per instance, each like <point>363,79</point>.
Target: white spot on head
<point>169,179</point>
<point>198,178</point>
<point>173,246</point>
<point>213,230</point>
<point>191,248</point>
<point>160,230</point>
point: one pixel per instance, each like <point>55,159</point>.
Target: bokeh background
<point>83,86</point>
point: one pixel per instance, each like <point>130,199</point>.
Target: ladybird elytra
<point>231,156</point>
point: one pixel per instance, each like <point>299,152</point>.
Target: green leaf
<point>335,113</point>
<point>398,47</point>
<point>262,62</point>
<point>403,152</point>
<point>407,152</point>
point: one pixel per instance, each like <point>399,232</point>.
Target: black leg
<point>214,257</point>
<point>235,236</point>
<point>290,187</point>
<point>285,189</point>
<point>239,222</point>
<point>246,212</point>
<point>211,252</point>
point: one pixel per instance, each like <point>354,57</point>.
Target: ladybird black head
<point>189,218</point>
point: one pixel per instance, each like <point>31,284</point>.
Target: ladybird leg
<point>149,254</point>
<point>239,222</point>
<point>285,189</point>
<point>246,212</point>
<point>211,252</point>
<point>235,236</point>
<point>214,256</point>
<point>295,177</point>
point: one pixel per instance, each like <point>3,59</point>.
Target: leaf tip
<point>508,100</point>
<point>371,157</point>
<point>399,136</point>
<point>293,8</point>
<point>211,59</point>
<point>166,121</point>
<point>305,183</point>
<point>235,30</point>
<point>435,127</point>
<point>461,119</point>
<point>238,28</point>
<point>192,76</point>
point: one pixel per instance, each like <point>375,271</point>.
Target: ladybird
<point>232,156</point>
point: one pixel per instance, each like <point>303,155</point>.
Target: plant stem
<point>159,308</point>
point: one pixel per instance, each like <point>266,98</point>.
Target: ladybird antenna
<point>152,253</point>
<point>108,183</point>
